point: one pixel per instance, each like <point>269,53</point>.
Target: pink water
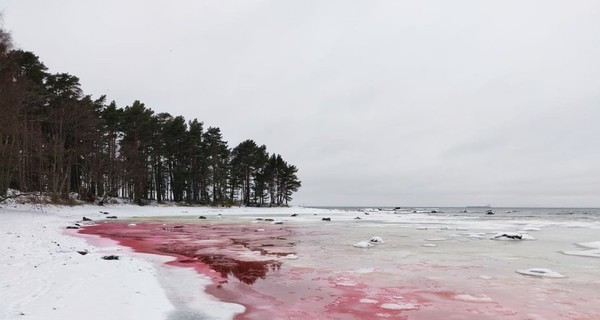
<point>256,266</point>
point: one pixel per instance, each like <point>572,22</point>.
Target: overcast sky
<point>379,103</point>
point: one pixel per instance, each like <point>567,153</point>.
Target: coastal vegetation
<point>56,140</point>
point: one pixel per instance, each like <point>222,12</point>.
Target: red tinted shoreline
<point>253,265</point>
<point>236,256</point>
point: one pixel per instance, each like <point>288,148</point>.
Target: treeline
<point>56,140</point>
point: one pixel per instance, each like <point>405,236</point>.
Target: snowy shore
<point>42,276</point>
<point>467,271</point>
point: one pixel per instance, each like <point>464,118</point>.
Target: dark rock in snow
<point>357,218</point>
<point>326,219</point>
<point>111,217</point>
<point>269,219</point>
<point>294,215</point>
<point>201,217</point>
<point>111,257</point>
<point>82,252</point>
<point>104,212</point>
<point>510,236</point>
<point>86,219</point>
<point>72,227</point>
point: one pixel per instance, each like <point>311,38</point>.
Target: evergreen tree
<point>247,160</point>
<point>217,166</point>
<point>57,140</point>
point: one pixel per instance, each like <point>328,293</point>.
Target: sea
<point>414,263</point>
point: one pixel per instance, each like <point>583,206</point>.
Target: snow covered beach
<point>422,266</point>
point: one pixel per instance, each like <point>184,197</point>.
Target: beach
<point>297,263</point>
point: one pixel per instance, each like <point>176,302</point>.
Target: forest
<point>58,141</point>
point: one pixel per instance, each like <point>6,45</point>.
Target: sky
<point>378,103</point>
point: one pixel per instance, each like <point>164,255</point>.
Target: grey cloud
<point>377,103</point>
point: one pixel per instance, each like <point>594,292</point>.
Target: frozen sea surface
<point>466,275</point>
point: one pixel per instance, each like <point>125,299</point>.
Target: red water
<point>248,266</point>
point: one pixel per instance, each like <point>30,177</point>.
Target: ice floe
<point>399,306</point>
<point>594,251</point>
<point>540,272</point>
<point>530,229</point>
<point>473,298</point>
<point>365,300</point>
<point>436,239</point>
<point>430,245</point>
<point>362,244</point>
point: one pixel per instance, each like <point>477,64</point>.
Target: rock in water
<point>376,240</point>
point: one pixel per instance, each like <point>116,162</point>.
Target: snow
<point>43,277</point>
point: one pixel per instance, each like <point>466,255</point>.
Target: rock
<point>512,236</point>
<point>376,240</point>
<point>269,219</point>
<point>82,252</point>
<point>104,212</point>
<point>86,219</point>
<point>72,227</point>
<point>177,227</point>
<point>326,219</point>
<point>294,215</point>
<point>202,217</point>
<point>111,217</point>
<point>110,257</point>
<point>357,218</point>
